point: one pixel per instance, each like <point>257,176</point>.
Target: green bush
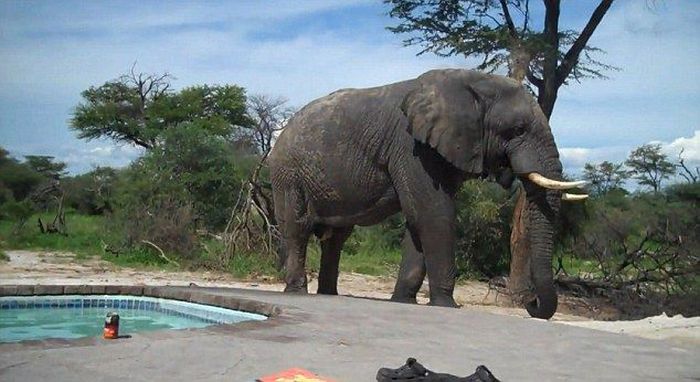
<point>684,192</point>
<point>190,181</point>
<point>484,213</point>
<point>16,179</point>
<point>19,212</point>
<point>91,193</point>
<point>85,235</point>
<point>644,241</point>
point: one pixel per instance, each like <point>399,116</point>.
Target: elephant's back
<point>312,136</point>
<point>336,118</point>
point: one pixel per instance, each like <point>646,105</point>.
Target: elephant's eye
<point>519,130</point>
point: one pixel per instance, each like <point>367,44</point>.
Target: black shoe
<point>413,371</point>
<point>482,374</point>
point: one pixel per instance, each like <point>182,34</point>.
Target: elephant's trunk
<point>542,210</point>
<point>539,169</point>
<point>541,213</point>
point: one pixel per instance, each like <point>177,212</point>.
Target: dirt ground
<point>36,267</point>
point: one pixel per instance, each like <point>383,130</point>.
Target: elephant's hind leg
<point>411,272</point>
<point>330,259</point>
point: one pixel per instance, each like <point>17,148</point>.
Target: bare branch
<point>162,254</point>
<point>526,16</point>
<point>509,21</point>
<point>571,57</point>
<point>687,173</point>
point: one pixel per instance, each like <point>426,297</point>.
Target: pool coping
<point>191,294</point>
<point>274,313</point>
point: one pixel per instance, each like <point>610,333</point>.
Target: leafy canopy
<point>192,167</point>
<point>503,34</point>
<point>649,166</point>
<point>17,180</point>
<point>46,166</point>
<point>605,176</point>
<point>138,108</point>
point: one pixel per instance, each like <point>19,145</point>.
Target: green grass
<point>372,260</point>
<point>3,256</point>
<point>139,258</point>
<point>576,266</point>
<point>364,252</point>
<point>245,265</point>
<point>83,238</point>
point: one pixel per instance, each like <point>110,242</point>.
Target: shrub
<point>189,181</point>
<point>484,213</point>
<point>91,193</point>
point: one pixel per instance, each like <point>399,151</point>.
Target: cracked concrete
<point>349,339</point>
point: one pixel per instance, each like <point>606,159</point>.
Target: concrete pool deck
<point>349,339</point>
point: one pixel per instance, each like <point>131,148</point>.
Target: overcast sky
<point>52,50</point>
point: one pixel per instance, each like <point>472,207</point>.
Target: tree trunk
<point>519,281</point>
<point>518,62</point>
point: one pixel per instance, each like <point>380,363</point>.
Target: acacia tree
<point>17,182</point>
<point>49,192</point>
<point>45,165</point>
<point>16,179</point>
<point>502,33</point>
<point>649,166</point>
<point>137,108</point>
<point>605,176</point>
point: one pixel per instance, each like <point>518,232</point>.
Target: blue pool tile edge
<point>208,313</point>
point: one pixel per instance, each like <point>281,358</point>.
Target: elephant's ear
<point>444,112</point>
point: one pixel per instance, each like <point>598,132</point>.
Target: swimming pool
<point>75,316</point>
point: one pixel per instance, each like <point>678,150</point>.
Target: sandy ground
<point>36,267</point>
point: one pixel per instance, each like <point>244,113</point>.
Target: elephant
<point>358,156</point>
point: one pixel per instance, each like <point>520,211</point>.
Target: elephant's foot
<point>296,289</point>
<point>328,291</point>
<point>404,299</point>
<point>444,301</point>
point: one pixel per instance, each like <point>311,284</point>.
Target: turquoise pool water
<point>70,317</point>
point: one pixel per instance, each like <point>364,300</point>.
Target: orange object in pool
<point>111,331</point>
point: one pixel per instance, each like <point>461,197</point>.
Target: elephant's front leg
<point>431,213</point>
<point>429,210</point>
<point>437,236</point>
<point>412,270</point>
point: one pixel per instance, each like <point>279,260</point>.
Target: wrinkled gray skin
<point>357,156</point>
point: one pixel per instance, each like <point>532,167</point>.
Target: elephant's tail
<point>281,252</point>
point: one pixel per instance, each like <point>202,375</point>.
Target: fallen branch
<point>59,221</point>
<point>596,286</point>
<point>162,254</point>
<point>204,232</point>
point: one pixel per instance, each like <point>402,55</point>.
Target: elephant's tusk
<point>553,184</point>
<point>573,197</point>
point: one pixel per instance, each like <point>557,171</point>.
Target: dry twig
<point>162,254</point>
